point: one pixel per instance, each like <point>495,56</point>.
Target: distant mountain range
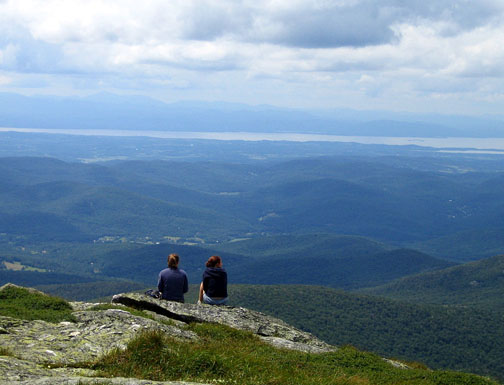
<point>109,111</point>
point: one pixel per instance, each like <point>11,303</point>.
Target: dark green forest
<point>212,201</point>
<point>476,284</point>
<point>460,338</point>
<point>339,261</point>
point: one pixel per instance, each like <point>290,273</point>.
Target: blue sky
<point>416,55</point>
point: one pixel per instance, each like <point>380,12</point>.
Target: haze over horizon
<point>423,57</point>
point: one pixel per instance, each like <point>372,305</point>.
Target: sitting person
<point>213,289</point>
<point>172,282</point>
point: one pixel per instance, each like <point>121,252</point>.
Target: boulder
<point>270,329</point>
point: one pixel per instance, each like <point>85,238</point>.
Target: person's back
<point>215,282</point>
<point>213,288</point>
<point>172,281</point>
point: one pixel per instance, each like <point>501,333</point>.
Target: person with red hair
<point>213,288</point>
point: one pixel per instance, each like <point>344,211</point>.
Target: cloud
<point>274,48</point>
<point>4,80</point>
<point>326,23</point>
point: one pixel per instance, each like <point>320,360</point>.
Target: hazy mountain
<point>109,111</point>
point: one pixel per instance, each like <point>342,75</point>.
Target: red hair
<point>213,261</point>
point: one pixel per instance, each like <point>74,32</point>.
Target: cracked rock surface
<point>42,353</point>
<point>270,329</point>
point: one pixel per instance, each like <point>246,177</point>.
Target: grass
<point>223,355</point>
<point>5,351</point>
<point>21,303</point>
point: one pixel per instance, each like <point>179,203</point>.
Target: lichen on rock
<point>275,331</point>
<point>40,353</point>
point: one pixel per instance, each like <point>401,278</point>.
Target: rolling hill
<point>344,272</point>
<point>466,245</point>
<point>312,245</point>
<point>475,284</point>
<point>338,261</point>
<point>222,201</point>
<point>344,262</point>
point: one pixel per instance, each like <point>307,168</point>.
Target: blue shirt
<point>172,283</point>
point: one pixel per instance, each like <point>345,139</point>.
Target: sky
<point>434,56</point>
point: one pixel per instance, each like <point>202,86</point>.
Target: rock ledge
<point>40,352</point>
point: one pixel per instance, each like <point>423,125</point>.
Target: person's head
<point>173,261</point>
<point>214,261</point>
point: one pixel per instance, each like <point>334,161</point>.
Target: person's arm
<point>186,284</point>
<point>160,284</point>
<point>201,292</point>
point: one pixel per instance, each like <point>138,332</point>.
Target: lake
<point>470,145</point>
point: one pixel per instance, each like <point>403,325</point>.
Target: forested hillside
<point>457,337</point>
<point>337,261</point>
<point>476,284</point>
<point>223,201</point>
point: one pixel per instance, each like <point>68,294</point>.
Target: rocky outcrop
<point>40,353</point>
<point>38,348</point>
<point>270,329</point>
<point>94,333</point>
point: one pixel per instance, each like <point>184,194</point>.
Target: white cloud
<point>5,80</point>
<point>321,48</point>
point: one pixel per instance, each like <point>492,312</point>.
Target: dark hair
<point>213,261</point>
<point>173,260</point>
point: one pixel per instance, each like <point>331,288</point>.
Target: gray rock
<point>94,334</point>
<point>283,343</point>
<point>39,350</point>
<point>236,317</point>
<point>397,364</point>
<point>82,306</point>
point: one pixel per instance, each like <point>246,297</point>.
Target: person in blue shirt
<point>213,288</point>
<point>172,281</point>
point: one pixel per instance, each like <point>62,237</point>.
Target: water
<point>470,145</point>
